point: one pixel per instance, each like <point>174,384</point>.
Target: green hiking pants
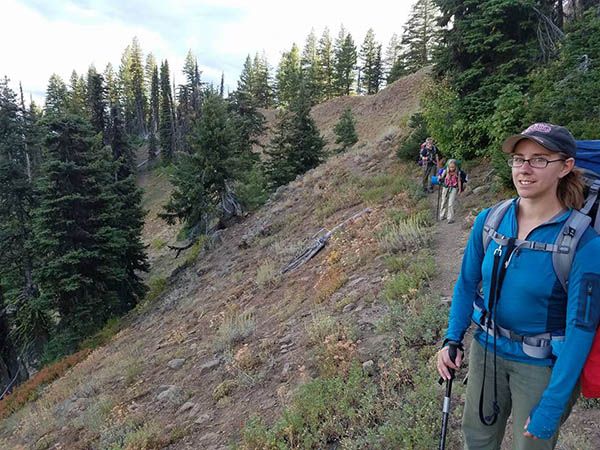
<point>520,387</point>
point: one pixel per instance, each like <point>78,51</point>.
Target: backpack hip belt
<point>538,346</point>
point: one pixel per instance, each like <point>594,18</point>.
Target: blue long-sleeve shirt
<point>532,301</point>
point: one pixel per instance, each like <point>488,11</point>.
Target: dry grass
<point>235,327</point>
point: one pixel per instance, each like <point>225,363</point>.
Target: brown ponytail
<point>570,190</point>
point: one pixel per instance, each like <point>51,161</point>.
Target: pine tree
<point>56,95</point>
<point>17,200</point>
<point>76,233</point>
<point>327,76</point>
<point>78,95</point>
<point>112,86</point>
<point>97,101</point>
<point>201,179</point>
<point>154,115</point>
<point>311,69</point>
<point>392,53</point>
<point>131,75</point>
<point>370,55</point>
<point>289,77</point>
<point>486,48</point>
<point>345,63</point>
<point>346,131</point>
<point>167,121</point>
<point>262,90</point>
<point>297,145</point>
<point>122,151</point>
<point>422,35</point>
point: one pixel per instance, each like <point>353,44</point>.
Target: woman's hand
<point>527,433</point>
<point>444,362</point>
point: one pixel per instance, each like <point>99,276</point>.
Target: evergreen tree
<point>422,35</point>
<point>122,151</point>
<point>154,115</point>
<point>370,55</point>
<point>77,233</point>
<point>345,63</point>
<point>17,199</point>
<point>78,95</point>
<point>56,95</point>
<point>567,91</point>
<point>97,101</point>
<point>289,77</point>
<point>131,75</point>
<point>112,85</point>
<point>311,69</point>
<point>262,90</point>
<point>202,178</point>
<point>327,75</point>
<point>485,49</point>
<point>392,53</point>
<point>297,145</point>
<point>167,121</point>
<point>149,69</point>
<point>346,131</point>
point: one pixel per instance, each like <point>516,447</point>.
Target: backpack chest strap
<point>502,240</point>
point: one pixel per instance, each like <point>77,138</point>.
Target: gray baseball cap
<point>552,137</point>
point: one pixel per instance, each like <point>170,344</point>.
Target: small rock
<point>369,366</point>
<point>175,364</point>
<point>286,370</point>
<point>185,407</point>
<point>285,340</point>
<point>349,307</point>
<point>173,395</point>
<point>208,366</point>
<point>203,418</point>
<point>209,437</point>
<point>355,281</point>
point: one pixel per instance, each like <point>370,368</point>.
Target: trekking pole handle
<point>453,348</point>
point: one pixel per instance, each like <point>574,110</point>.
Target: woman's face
<point>452,167</point>
<point>532,182</point>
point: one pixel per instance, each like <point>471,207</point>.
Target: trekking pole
<point>437,212</point>
<point>452,346</point>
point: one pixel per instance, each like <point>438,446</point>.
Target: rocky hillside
<point>225,337</point>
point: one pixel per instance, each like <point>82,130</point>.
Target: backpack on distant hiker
<point>563,251</point>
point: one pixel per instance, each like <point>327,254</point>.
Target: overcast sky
<point>41,37</point>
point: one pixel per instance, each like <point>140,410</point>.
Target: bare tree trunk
<point>559,14</point>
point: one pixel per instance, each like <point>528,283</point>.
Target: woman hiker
<point>452,186</point>
<point>528,300</point>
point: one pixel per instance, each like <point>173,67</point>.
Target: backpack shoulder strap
<point>567,241</point>
<point>492,221</point>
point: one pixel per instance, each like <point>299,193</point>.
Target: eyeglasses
<point>537,162</point>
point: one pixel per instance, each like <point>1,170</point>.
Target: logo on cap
<point>539,127</point>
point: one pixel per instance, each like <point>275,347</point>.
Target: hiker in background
<point>451,187</point>
<point>538,327</point>
<point>429,159</point>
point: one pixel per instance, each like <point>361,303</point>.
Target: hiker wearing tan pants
<point>452,186</point>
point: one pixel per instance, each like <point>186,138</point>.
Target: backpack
<point>563,251</point>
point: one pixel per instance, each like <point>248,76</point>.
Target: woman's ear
<point>567,167</point>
